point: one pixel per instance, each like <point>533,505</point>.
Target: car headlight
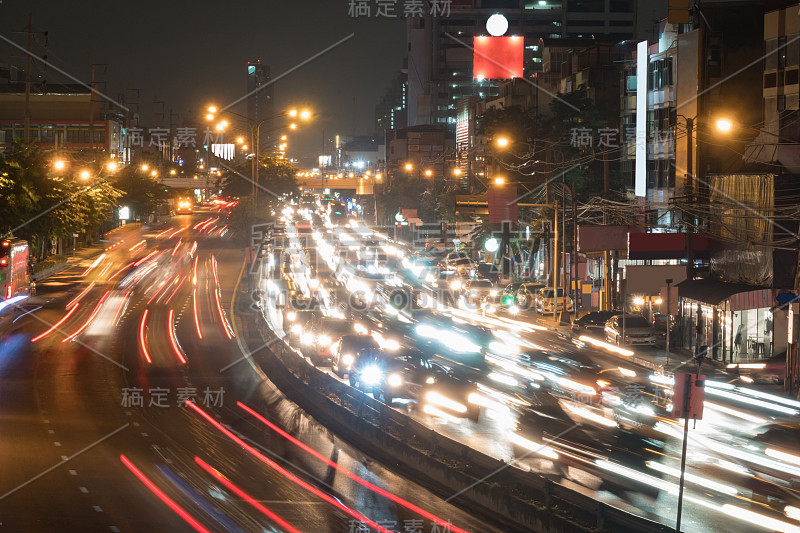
<point>394,380</point>
<point>296,329</point>
<point>455,285</point>
<point>371,375</point>
<point>493,293</point>
<point>431,380</point>
<point>347,360</point>
<point>324,339</point>
<point>513,309</point>
<point>291,316</point>
<point>308,338</point>
<point>313,283</point>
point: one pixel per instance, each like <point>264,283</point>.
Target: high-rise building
<point>440,47</point>
<point>260,94</point>
<point>392,109</point>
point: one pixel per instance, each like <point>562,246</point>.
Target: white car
<point>637,330</point>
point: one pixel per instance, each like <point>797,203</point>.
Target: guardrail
<point>490,488</point>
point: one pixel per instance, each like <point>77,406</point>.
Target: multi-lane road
<point>619,444</point>
<point>127,404</point>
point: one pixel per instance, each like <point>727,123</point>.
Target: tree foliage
<point>37,203</point>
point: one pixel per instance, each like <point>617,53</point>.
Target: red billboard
<point>502,200</point>
<point>497,58</point>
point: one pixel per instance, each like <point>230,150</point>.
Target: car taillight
<point>3,262</point>
<point>8,292</point>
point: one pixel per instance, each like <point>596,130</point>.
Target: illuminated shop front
<point>735,321</point>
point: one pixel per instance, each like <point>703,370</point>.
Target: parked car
<point>527,293</point>
<point>637,330</point>
<point>593,323</point>
<point>546,301</point>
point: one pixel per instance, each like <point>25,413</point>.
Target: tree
<point>38,204</point>
<point>277,176</point>
<point>139,191</point>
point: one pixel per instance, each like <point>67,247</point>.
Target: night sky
<point>190,54</point>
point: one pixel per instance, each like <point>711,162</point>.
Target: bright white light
<point>789,458</point>
<point>491,245</point>
<point>589,415</point>
<point>703,482</point>
<point>394,380</point>
<point>291,316</point>
<point>535,447</point>
<point>437,399</point>
<point>371,375</point>
<point>347,360</point>
<point>503,378</point>
<point>757,519</point>
<point>627,372</point>
<point>497,25</point>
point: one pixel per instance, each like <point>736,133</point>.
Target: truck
<point>14,277</point>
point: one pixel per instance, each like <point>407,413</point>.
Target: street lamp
<point>724,125</point>
<point>59,165</point>
<point>112,166</point>
<point>502,142</point>
<point>409,167</point>
<point>429,173</point>
<point>499,181</point>
<point>144,168</point>
<point>85,174</point>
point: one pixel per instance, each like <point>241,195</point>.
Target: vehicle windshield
<point>481,284</point>
<point>550,293</point>
<point>635,322</point>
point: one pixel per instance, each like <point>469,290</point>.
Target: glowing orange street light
<point>85,175</point>
<point>502,142</point>
<point>499,181</point>
<point>59,165</point>
<point>409,166</point>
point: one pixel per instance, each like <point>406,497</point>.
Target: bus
<point>14,279</point>
<point>183,205</point>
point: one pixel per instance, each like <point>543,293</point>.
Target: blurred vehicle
<point>565,375</point>
<point>353,352</point>
<point>464,267</point>
<point>546,301</point>
<point>527,294</point>
<point>438,247</point>
<point>487,271</point>
<point>320,338</point>
<point>14,275</point>
<point>637,330</point>
<point>477,291</point>
<point>183,205</point>
<point>296,322</point>
<point>593,323</point>
<point>452,257</point>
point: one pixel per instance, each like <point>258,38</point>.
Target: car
<point>637,330</point>
<point>320,338</point>
<point>296,321</point>
<point>438,247</point>
<point>546,300</point>
<point>526,294</point>
<point>353,351</point>
<point>488,271</point>
<point>479,290</point>
<point>593,323</point>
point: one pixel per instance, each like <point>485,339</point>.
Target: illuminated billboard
<point>497,58</point>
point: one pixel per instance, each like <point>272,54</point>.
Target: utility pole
<point>28,63</point>
<point>91,110</point>
<point>606,303</point>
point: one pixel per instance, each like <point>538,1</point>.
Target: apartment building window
<point>586,6</point>
<point>770,80</point>
<point>770,54</point>
<point>659,74</point>
<point>791,77</point>
<point>620,6</point>
<point>793,51</point>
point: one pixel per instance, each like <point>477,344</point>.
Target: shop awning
<point>710,291</point>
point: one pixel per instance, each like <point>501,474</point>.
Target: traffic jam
<point>436,338</point>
